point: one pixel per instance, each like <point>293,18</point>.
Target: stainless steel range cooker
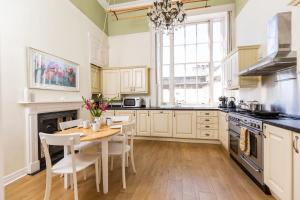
<point>252,164</point>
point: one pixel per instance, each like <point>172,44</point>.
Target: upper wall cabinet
<point>95,79</point>
<point>98,51</point>
<point>111,83</point>
<point>236,61</point>
<point>134,80</point>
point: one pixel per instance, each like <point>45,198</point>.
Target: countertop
<point>289,124</point>
<point>165,108</point>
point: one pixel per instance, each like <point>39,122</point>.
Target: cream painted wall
<point>53,26</point>
<point>130,50</point>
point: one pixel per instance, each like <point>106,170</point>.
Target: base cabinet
<point>223,129</point>
<point>184,124</point>
<point>278,161</point>
<point>296,165</point>
<point>161,123</point>
<point>143,123</point>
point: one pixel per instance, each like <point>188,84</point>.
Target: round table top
<point>90,135</point>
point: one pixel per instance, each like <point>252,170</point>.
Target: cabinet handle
<point>206,113</point>
<point>148,113</point>
<point>207,120</point>
<point>161,112</point>
<point>207,126</point>
<point>295,144</point>
<point>133,113</point>
<point>264,136</point>
<point>174,114</point>
<point>207,134</point>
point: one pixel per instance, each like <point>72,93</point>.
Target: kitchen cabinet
<point>296,165</point>
<point>184,124</point>
<point>143,123</point>
<point>134,80</point>
<point>239,59</point>
<point>294,2</point>
<point>278,161</point>
<point>223,129</point>
<point>161,123</point>
<point>111,83</point>
<point>130,113</point>
<point>207,125</point>
<point>95,79</point>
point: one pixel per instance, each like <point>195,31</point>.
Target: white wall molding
<point>14,176</point>
<point>162,139</point>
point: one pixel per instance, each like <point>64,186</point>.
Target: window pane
<point>202,33</point>
<point>179,95</point>
<point>179,36</point>
<point>218,52</point>
<point>191,95</point>
<point>191,70</point>
<point>191,34</point>
<point>217,32</point>
<point>166,96</point>
<point>179,71</point>
<point>166,55</point>
<point>166,40</point>
<point>203,94</point>
<point>166,71</point>
<point>179,54</point>
<point>217,81</point>
<point>203,53</point>
<point>191,53</point>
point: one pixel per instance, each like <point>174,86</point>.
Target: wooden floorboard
<point>165,171</point>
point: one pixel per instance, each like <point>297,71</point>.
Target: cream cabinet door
<point>126,80</point>
<point>184,124</point>
<point>140,80</point>
<point>296,165</point>
<point>143,123</point>
<point>161,123</point>
<point>234,71</point>
<point>111,83</point>
<point>223,129</point>
<point>278,161</point>
<point>95,79</point>
<point>109,113</point>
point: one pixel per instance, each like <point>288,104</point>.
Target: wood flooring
<point>165,171</point>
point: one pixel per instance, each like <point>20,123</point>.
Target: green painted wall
<point>94,11</point>
<point>239,4</point>
<point>127,26</point>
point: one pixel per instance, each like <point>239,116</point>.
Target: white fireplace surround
<point>31,116</point>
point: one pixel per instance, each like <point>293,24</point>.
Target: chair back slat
<point>70,124</point>
<point>128,129</point>
<point>61,139</point>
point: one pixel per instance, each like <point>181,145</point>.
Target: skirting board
<point>14,176</point>
<point>178,140</point>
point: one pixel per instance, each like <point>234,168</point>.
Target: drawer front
<point>207,126</point>
<point>208,113</point>
<point>208,134</point>
<point>207,120</point>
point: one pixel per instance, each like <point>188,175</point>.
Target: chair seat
<point>82,161</point>
<point>83,145</point>
<point>115,148</point>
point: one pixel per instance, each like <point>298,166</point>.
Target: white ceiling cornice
<point>125,5</point>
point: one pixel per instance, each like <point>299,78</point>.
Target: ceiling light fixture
<point>165,16</point>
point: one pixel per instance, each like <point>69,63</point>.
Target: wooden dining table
<point>103,135</point>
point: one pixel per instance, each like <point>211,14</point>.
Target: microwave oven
<point>134,102</point>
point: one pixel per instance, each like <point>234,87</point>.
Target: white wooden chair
<point>70,164</point>
<point>117,148</point>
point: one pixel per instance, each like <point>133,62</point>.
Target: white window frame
<point>160,59</point>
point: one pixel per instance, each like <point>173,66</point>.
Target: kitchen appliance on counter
<point>231,103</point>
<point>223,102</point>
<point>132,102</point>
<point>253,106</point>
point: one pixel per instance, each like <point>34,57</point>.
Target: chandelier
<point>165,16</point>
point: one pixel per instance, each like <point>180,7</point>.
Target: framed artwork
<point>46,71</point>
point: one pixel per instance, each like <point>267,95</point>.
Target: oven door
<point>256,148</point>
<point>234,144</point>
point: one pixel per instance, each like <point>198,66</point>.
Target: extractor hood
<point>280,56</point>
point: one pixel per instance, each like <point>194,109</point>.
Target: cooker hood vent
<point>280,56</point>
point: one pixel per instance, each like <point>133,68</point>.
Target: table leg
<point>66,176</point>
<point>105,164</point>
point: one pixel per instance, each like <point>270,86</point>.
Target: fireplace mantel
<point>32,109</point>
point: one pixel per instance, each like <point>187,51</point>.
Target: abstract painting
<point>51,72</point>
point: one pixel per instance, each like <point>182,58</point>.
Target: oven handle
<point>253,167</point>
<point>252,130</point>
